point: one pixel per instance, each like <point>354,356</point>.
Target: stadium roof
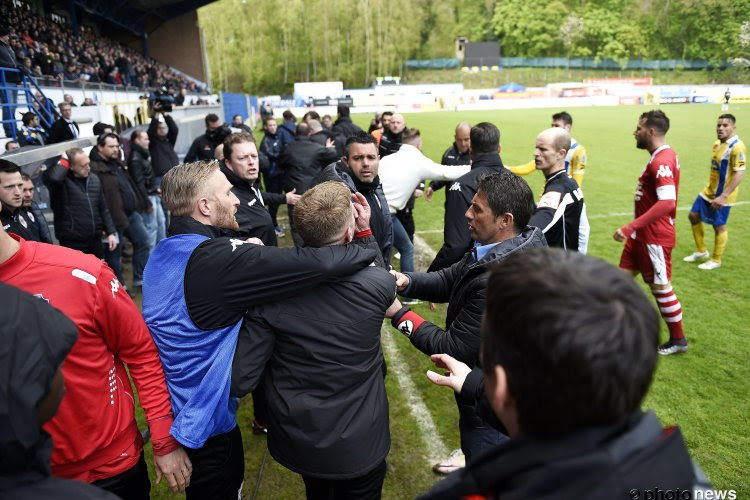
<point>131,15</point>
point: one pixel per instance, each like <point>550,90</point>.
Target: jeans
<point>403,244</point>
<point>366,487</point>
<point>137,233</point>
<point>475,440</point>
<point>114,258</point>
<point>156,222</point>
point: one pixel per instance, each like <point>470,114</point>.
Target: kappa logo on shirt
<point>664,171</point>
<point>40,296</point>
<point>456,186</point>
<point>406,327</point>
<point>115,286</point>
<point>236,243</point>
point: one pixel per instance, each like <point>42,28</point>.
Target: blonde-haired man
<point>324,382</point>
<point>196,289</point>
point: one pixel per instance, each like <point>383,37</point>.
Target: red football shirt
<point>660,180</point>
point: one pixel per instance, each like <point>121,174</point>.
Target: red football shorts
<point>654,262</point>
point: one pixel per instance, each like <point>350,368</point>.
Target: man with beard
<point>197,287</point>
<point>241,167</point>
<point>458,154</point>
<point>358,169</point>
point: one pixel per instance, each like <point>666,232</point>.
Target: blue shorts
<point>709,216</point>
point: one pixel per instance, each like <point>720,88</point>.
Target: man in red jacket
<point>95,434</point>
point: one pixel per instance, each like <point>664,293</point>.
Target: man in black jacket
<point>324,381</point>
<point>343,124</point>
<point>358,169</point>
<point>485,159</point>
<point>300,162</point>
<point>64,128</point>
<point>35,338</point>
<point>458,154</point>
<point>241,167</point>
<point>142,172</point>
<point>214,281</point>
<point>575,420</point>
<point>162,138</point>
<point>561,212</point>
<point>12,215</point>
<point>82,219</point>
<point>497,220</point>
<point>203,146</point>
<point>34,213</point>
<point>390,141</point>
<point>125,202</point>
<point>272,144</point>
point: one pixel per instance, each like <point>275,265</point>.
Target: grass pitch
<point>705,391</point>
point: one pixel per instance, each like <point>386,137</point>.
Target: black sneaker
<point>259,428</point>
<point>673,346</point>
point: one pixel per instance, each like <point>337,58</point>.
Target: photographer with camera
<point>202,148</point>
<point>162,134</point>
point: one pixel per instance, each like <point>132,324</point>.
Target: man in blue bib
<point>197,286</point>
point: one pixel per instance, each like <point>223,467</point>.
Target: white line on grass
<point>436,449</point>
<point>593,216</point>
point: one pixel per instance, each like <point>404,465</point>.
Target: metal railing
<point>9,91</point>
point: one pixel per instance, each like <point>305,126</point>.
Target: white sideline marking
<point>436,449</point>
<point>594,216</point>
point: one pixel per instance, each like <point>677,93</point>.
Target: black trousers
<point>133,484</point>
<point>406,217</point>
<point>367,487</point>
<point>273,185</point>
<point>94,247</point>
<point>218,468</point>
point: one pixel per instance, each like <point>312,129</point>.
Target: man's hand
<point>292,198</point>
<point>176,467</point>
<point>402,280</point>
<point>454,377</point>
<point>428,194</point>
<point>111,242</point>
<point>393,309</point>
<point>361,212</point>
<point>255,241</point>
<point>619,236</point>
<point>718,202</point>
<point>330,143</point>
<point>418,193</point>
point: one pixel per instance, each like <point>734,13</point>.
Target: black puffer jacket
<point>464,287</point>
<point>301,161</point>
<point>81,213</point>
<point>141,171</point>
<point>324,381</point>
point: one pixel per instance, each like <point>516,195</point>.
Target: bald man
<point>390,141</point>
<point>458,154</point>
<point>561,211</point>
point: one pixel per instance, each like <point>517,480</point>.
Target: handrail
<point>47,114</point>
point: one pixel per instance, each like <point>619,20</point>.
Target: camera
<point>160,100</point>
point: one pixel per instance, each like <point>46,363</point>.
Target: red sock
<point>671,311</point>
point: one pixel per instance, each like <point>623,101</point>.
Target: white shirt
<point>401,172</point>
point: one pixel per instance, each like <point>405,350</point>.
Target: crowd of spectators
<point>46,48</point>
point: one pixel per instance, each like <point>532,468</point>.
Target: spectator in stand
<point>68,99</point>
<point>35,338</point>
<point>32,133</point>
<point>11,146</point>
<point>162,134</point>
<point>32,211</point>
<point>103,128</point>
<point>141,170</point>
<point>203,146</point>
<point>64,129</point>
<point>82,219</point>
<point>12,215</point>
<point>179,98</point>
<point>94,433</point>
<point>88,101</point>
<point>125,202</point>
<point>8,60</point>
<point>343,125</point>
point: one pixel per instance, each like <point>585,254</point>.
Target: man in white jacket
<point>401,173</point>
